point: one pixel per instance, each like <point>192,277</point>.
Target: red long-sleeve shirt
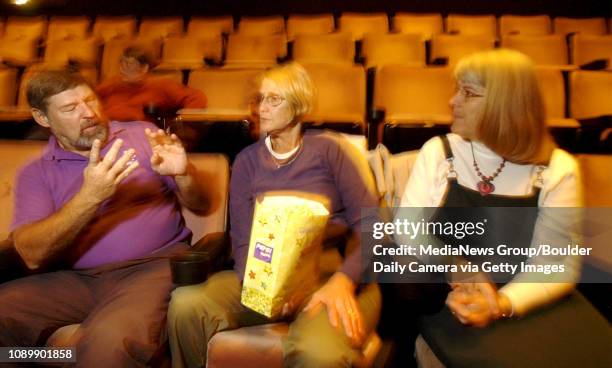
<point>125,101</point>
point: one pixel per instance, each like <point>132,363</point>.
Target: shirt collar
<point>53,151</point>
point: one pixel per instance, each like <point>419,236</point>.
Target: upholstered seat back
<point>13,155</point>
<point>213,169</point>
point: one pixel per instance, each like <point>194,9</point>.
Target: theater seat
<point>261,346</point>
<point>25,27</point>
<point>454,47</point>
<point>590,94</point>
<point>160,27</point>
<point>340,100</point>
<point>584,26</point>
<point>416,104</point>
<point>548,50</point>
<point>597,176</point>
<point>534,25</point>
<point>84,51</point>
<point>108,28</point>
<point>589,48</point>
<point>190,52</point>
<point>246,51</point>
<point>359,24</point>
<point>485,25</point>
<point>19,51</point>
<point>257,346</point>
<point>210,26</point>
<point>324,48</point>
<point>13,155</point>
<point>424,24</point>
<point>67,27</point>
<point>8,81</point>
<point>224,125</point>
<point>386,49</point>
<point>309,24</point>
<point>261,26</point>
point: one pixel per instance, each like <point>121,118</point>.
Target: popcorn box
<point>284,250</point>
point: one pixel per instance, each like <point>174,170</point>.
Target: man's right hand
<point>101,177</point>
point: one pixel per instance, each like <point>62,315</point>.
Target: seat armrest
<point>218,248</point>
<point>209,255</point>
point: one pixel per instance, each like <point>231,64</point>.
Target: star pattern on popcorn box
<point>264,285</point>
<point>252,274</point>
<point>268,270</point>
<point>271,236</point>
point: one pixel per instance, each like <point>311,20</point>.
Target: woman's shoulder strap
<point>448,152</point>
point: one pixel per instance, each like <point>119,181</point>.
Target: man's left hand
<point>169,156</point>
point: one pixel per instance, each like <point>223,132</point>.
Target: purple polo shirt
<point>143,215</point>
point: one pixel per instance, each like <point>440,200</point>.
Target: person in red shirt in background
<point>125,96</point>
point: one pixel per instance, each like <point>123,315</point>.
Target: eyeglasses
<point>467,92</point>
<point>272,100</point>
<point>129,62</point>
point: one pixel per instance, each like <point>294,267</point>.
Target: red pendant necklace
<point>485,185</point>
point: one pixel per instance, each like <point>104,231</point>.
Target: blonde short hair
<point>513,121</point>
<point>295,86</point>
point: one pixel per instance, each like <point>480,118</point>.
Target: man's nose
<point>87,110</point>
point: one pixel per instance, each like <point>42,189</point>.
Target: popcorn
<point>284,250</point>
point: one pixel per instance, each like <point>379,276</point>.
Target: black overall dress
<point>554,336</point>
<point>506,224</point>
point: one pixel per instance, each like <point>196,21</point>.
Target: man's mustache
<point>89,123</point>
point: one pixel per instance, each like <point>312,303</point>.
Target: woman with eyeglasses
<point>328,329</point>
<point>498,155</point>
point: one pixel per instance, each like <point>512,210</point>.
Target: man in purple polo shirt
<point>102,204</point>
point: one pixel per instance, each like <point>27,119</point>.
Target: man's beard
<point>85,140</point>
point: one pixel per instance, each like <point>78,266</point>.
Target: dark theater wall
<point>575,8</point>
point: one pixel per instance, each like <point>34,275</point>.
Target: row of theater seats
<point>379,49</point>
<point>239,51</point>
<point>411,97</point>
<point>262,41</point>
<point>356,24</point>
<point>262,51</point>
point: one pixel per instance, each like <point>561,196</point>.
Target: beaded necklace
<point>485,185</point>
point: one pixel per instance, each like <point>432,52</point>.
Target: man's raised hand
<point>169,156</point>
<point>101,177</point>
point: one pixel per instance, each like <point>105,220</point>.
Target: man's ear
<point>40,117</point>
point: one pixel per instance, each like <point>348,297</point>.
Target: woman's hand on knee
<point>338,297</point>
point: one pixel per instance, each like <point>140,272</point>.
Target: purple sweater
<point>322,167</point>
<point>142,216</point>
